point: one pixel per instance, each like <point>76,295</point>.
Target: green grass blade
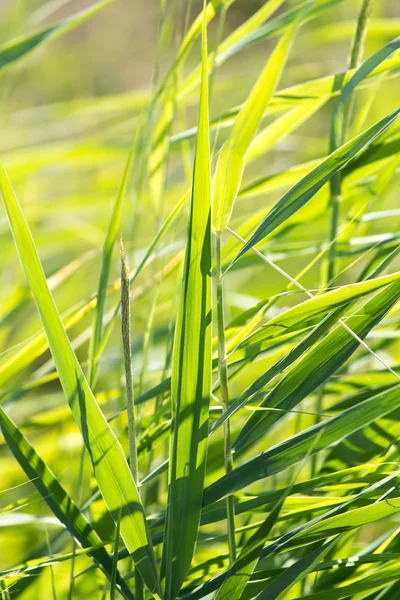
<point>109,463</point>
<point>361,73</point>
<point>307,187</point>
<point>317,307</point>
<point>151,249</point>
<point>291,451</point>
<point>294,534</point>
<point>17,49</point>
<point>241,570</point>
<point>364,587</point>
<point>191,371</point>
<point>113,586</point>
<point>39,344</point>
<point>247,34</point>
<point>231,160</point>
<point>282,364</point>
<point>282,127</point>
<point>296,572</point>
<point>58,500</point>
<point>313,369</point>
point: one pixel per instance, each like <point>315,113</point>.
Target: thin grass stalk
<point>223,378</point>
<point>356,54</point>
<point>130,399</point>
<point>74,545</point>
<point>126,344</point>
<point>52,578</point>
<point>355,58</point>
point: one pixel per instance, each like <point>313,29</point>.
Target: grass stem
<point>355,58</point>
<point>223,378</point>
<point>130,399</point>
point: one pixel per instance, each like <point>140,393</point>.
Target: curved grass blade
<point>362,72</point>
<point>291,451</point>
<point>296,572</point>
<point>17,49</point>
<point>282,127</point>
<point>39,344</point>
<point>191,370</point>
<point>317,307</point>
<point>363,588</point>
<point>341,118</point>
<point>254,30</point>
<point>317,366</point>
<point>109,463</point>
<point>280,365</point>
<point>307,187</point>
<point>241,570</point>
<point>59,501</point>
<point>289,537</point>
<point>231,160</point>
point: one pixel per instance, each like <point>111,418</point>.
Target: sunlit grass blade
<point>232,156</point>
<point>39,343</point>
<point>291,451</point>
<point>113,586</point>
<point>109,463</point>
<point>307,187</point>
<point>365,587</point>
<point>191,369</point>
<point>341,117</point>
<point>241,570</point>
<point>210,9</point>
<point>281,127</point>
<point>317,307</point>
<point>296,572</point>
<point>256,29</point>
<point>16,49</point>
<point>59,502</point>
<point>361,73</point>
<point>170,220</point>
<point>318,364</point>
<point>298,350</point>
<point>288,538</point>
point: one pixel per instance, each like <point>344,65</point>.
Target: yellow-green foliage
<point>229,429</point>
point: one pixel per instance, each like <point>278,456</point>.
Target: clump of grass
<point>241,445</point>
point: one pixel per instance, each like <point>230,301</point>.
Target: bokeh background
<point>68,114</point>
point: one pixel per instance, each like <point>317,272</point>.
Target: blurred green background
<point>68,114</point>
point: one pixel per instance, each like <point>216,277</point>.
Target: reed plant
<point>213,411</point>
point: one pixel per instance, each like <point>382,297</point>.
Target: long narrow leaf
<point>191,370</point>
<point>305,189</point>
<point>109,463</point>
<point>15,50</point>
<point>58,500</point>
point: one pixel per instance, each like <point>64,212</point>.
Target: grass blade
<point>58,500</point>
<point>17,49</point>
<point>191,371</point>
<point>231,160</point>
<point>317,307</point>
<point>109,463</point>
<point>307,187</point>
<point>296,572</point>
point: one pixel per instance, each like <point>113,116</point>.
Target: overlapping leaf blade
<point>109,463</point>
<point>191,369</point>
